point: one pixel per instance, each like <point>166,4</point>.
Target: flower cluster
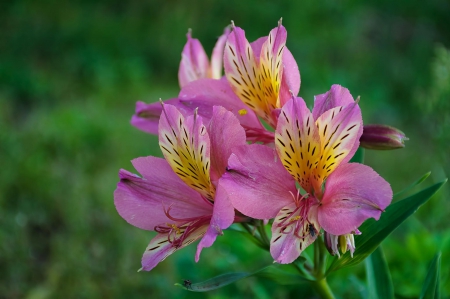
<point>222,165</point>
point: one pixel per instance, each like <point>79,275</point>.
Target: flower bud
<point>382,137</point>
<point>342,243</point>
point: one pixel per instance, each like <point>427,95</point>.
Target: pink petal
<point>146,117</point>
<point>217,55</point>
<point>157,250</point>
<point>160,248</point>
<point>206,93</point>
<point>353,193</point>
<point>194,62</point>
<point>336,96</point>
<point>225,132</point>
<point>186,146</point>
<point>257,183</point>
<point>223,217</point>
<point>291,75</point>
<point>285,246</point>
<point>141,201</point>
<point>297,141</point>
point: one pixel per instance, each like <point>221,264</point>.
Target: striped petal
<point>339,130</point>
<point>160,247</point>
<point>291,234</point>
<point>297,141</point>
<point>335,97</point>
<point>271,66</point>
<point>185,145</point>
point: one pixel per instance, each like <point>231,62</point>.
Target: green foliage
<point>378,276</point>
<point>430,288</point>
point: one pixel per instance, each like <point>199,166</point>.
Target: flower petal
<point>146,116</point>
<point>159,247</point>
<point>225,133</point>
<point>353,193</point>
<point>290,83</point>
<point>256,182</point>
<point>244,74</point>
<point>223,217</point>
<point>185,145</point>
<point>217,55</point>
<point>297,141</point>
<point>271,65</point>
<point>336,96</point>
<point>194,62</point>
<point>206,93</point>
<point>285,245</point>
<point>141,201</point>
<point>339,130</point>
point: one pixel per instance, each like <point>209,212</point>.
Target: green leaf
<point>378,276</point>
<point>430,289</point>
<point>359,156</point>
<point>423,178</point>
<point>374,232</point>
<point>276,272</point>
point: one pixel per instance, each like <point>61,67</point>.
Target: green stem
<point>323,289</point>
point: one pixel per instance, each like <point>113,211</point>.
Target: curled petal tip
<point>232,24</point>
<point>358,99</point>
<point>189,33</point>
<point>280,21</point>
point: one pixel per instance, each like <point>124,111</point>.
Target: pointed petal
<point>217,55</point>
<point>288,240</point>
<point>336,96</point>
<point>290,83</point>
<point>271,65</point>
<point>297,141</point>
<point>225,133</point>
<point>160,248</point>
<point>206,93</point>
<point>256,182</point>
<point>194,62</point>
<point>243,73</point>
<point>146,116</point>
<point>223,217</point>
<point>339,131</point>
<point>185,145</point>
<point>141,201</point>
<point>353,193</point>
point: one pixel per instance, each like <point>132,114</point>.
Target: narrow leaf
<point>358,157</point>
<point>374,232</point>
<point>273,272</point>
<point>430,289</point>
<point>423,178</point>
<point>378,276</point>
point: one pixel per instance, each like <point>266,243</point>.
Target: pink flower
<point>314,148</point>
<point>262,74</point>
<point>181,196</point>
<point>194,63</point>
<point>275,75</point>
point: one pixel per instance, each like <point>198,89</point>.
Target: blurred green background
<point>71,72</point>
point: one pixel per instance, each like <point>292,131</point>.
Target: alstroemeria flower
<point>263,75</point>
<point>194,63</point>
<point>181,197</point>
<point>313,149</point>
<point>206,93</point>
